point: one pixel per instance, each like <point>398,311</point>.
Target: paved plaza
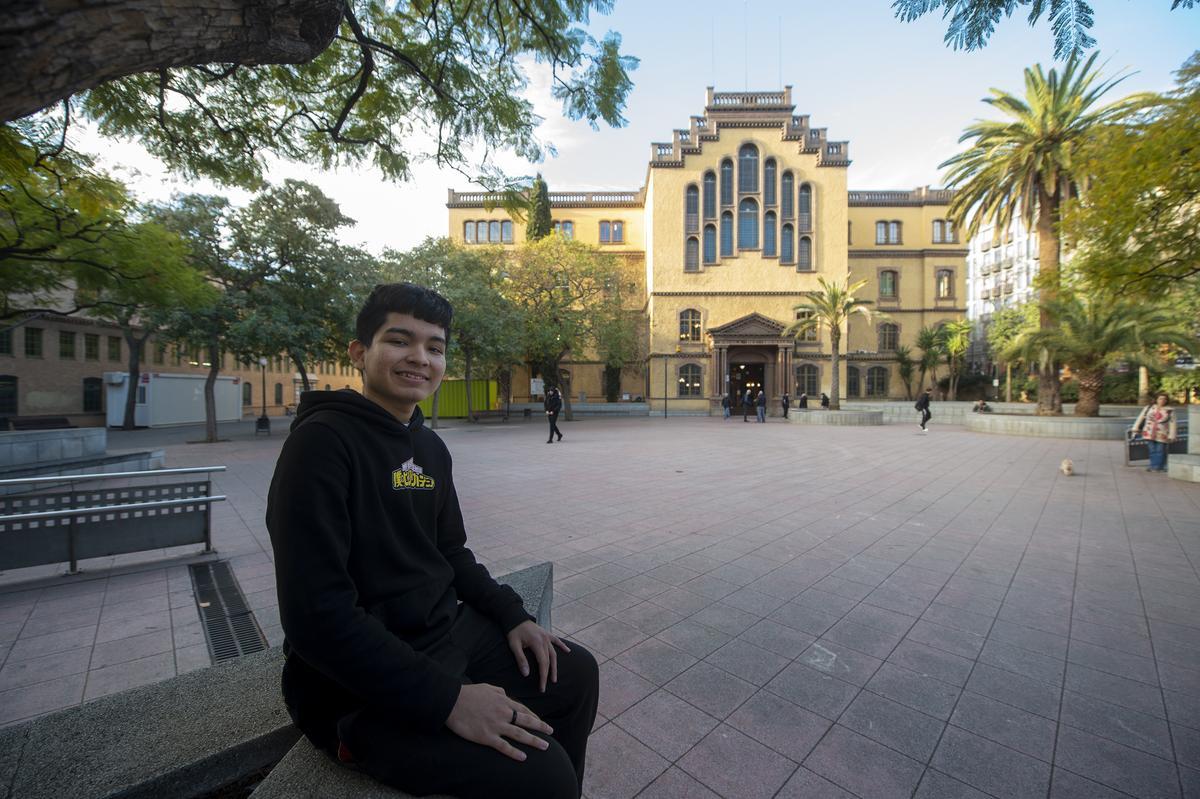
<point>779,610</point>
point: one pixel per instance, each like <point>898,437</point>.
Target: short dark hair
<point>408,298</point>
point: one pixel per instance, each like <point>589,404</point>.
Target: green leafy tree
<point>973,21</point>
<point>956,340</point>
<point>831,308</point>
<point>1028,164</point>
<point>929,342</point>
<point>216,90</point>
<point>540,224</point>
<point>1137,227</point>
<point>905,366</point>
<point>1006,325</point>
<point>1094,330</point>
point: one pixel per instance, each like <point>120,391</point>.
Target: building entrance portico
<point>750,352</point>
<point>744,376</point>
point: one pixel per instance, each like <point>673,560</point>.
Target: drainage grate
<point>229,625</point>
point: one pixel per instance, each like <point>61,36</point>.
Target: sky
<point>895,90</point>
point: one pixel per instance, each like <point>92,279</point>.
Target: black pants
<point>424,763</point>
<point>925,417</point>
<point>553,417</point>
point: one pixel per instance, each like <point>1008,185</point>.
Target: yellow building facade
<point>740,215</point>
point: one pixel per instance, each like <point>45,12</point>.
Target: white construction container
<point>165,399</point>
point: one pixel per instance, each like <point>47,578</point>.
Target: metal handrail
<point>61,478</point>
<point>70,512</point>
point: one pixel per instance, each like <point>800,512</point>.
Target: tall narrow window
<point>852,387</point>
<point>691,255</point>
<point>710,244</point>
<point>469,232</point>
<point>710,195</point>
<point>494,231</point>
<point>945,284</point>
<point>887,284</point>
<point>787,196</point>
<point>91,347</point>
<point>937,231</point>
<point>805,261</point>
<point>618,232</point>
<point>769,246</point>
<point>689,325</point>
<point>689,381</point>
<point>893,232</point>
<point>605,232</point>
<point>881,233</point>
<point>889,336</point>
<point>247,394</point>
<point>787,245</point>
<point>769,182</point>
<point>727,234</point>
<point>748,169</point>
<point>6,342</point>
<point>33,342</point>
<point>114,348</point>
<point>727,182</point>
<point>691,209</point>
<point>805,207</point>
<point>92,388</point>
<point>8,395</point>
<point>948,234</point>
<point>506,232</point>
<point>807,380</point>
<point>877,381</point>
<point>66,345</point>
<point>748,225</point>
<point>279,393</point>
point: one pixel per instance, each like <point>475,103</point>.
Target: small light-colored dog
<point>1067,467</point>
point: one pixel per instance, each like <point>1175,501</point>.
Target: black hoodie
<point>371,559</point>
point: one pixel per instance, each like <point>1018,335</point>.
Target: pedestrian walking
<point>786,401</point>
<point>747,401</point>
<point>725,403</point>
<point>1156,423</point>
<point>760,406</point>
<point>824,400</point>
<point>923,406</point>
<point>553,404</point>
<point>802,404</point>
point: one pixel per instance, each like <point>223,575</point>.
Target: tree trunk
<point>210,394</point>
<point>304,384</point>
<point>135,374</point>
<point>835,341</point>
<point>1008,382</point>
<point>433,411</point>
<point>506,389</point>
<point>568,413</point>
<point>52,50</point>
<point>1049,397</point>
<point>467,372</point>
<point>1144,397</point>
<point>1090,383</point>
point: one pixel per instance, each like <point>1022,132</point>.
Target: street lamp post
<point>263,425</point>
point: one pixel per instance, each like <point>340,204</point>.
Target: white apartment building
<point>1001,266</point>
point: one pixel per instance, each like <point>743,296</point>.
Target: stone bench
<point>192,735</point>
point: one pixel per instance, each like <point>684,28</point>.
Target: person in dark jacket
<point>747,401</point>
<point>403,655</point>
<point>824,400</point>
<point>803,401</point>
<point>760,405</point>
<point>553,404</point>
<point>923,407</point>
<point>786,402</point>
<point>725,406</point>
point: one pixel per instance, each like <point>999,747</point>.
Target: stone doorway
<point>746,375</point>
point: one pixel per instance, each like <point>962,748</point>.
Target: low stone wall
<point>588,409</point>
<point>24,447</point>
<point>903,412</point>
<point>842,418</point>
<point>1101,428</point>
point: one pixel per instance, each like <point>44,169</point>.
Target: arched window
<point>748,225</point>
<point>727,182</point>
<point>769,248</point>
<point>92,392</point>
<point>691,255</point>
<point>787,245</point>
<point>787,196</point>
<point>889,337</point>
<point>877,381</point>
<point>8,395</point>
<point>805,262</point>
<point>494,231</point>
<point>748,169</point>
<point>727,234</point>
<point>469,232</point>
<point>689,325</point>
<point>692,209</point>
<point>852,387</point>
<point>279,393</point>
<point>247,394</point>
<point>689,381</point>
<point>710,195</point>
<point>769,182</point>
<point>807,380</point>
<point>945,284</point>
<point>710,244</point>
<point>506,232</point>
<point>805,207</point>
<point>888,280</point>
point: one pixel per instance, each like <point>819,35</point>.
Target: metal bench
<point>47,526</point>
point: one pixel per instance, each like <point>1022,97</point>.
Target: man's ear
<point>356,351</point>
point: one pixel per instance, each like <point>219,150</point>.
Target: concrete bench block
<point>843,418</point>
<point>1184,467</point>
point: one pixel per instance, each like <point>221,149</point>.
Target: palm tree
<point>1026,164</point>
<point>905,366</point>
<point>831,308</point>
<point>956,340</point>
<point>929,342</point>
<point>1092,332</point>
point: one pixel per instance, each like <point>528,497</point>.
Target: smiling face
<point>404,363</point>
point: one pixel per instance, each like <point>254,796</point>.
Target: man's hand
<point>527,635</point>
<point>484,715</point>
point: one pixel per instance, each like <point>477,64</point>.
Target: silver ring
<point>514,718</point>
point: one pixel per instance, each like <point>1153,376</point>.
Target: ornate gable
<point>754,325</point>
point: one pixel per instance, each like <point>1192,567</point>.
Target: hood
<point>351,403</point>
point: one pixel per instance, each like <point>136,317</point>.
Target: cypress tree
<point>540,225</point>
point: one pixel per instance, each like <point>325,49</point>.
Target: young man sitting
<point>404,657</point>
